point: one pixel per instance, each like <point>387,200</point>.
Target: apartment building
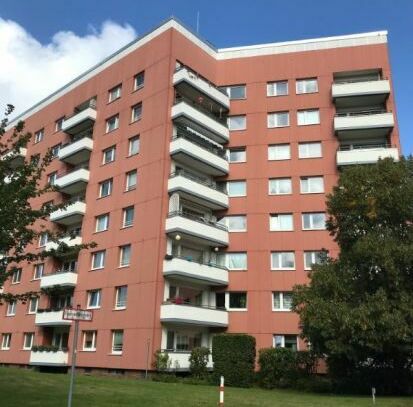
<point>201,174</point>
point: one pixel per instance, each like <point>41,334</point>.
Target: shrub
<point>162,362</point>
<point>198,361</point>
<point>234,358</point>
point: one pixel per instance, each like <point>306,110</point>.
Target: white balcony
<point>62,279</point>
<point>180,360</point>
<point>17,159</point>
<point>368,124</point>
<point>80,121</point>
<point>70,215</point>
<point>73,183</point>
<point>59,358</point>
<point>184,269</point>
<point>188,115</point>
<point>197,229</point>
<point>76,152</point>
<point>51,318</point>
<point>360,88</point>
<point>198,191</point>
<point>70,241</point>
<point>192,315</point>
<point>365,155</point>
<point>184,78</point>
<point>187,152</point>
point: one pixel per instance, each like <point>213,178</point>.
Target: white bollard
<point>373,394</point>
<point>221,392</point>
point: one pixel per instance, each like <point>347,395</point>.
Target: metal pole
<point>148,341</point>
<point>221,391</point>
<point>72,372</point>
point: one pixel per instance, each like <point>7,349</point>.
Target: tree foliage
<point>358,308</point>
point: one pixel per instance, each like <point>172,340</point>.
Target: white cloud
<point>29,70</point>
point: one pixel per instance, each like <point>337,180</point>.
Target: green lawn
<point>19,387</point>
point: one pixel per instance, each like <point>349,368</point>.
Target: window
<point>309,150</point>
<point>117,342</point>
<point>105,188</point>
<point>5,341</point>
<point>311,185</point>
<point>136,112</point>
<point>285,341</point>
<point>11,308</point>
<point>33,303</point>
<point>236,261</point>
<point>279,152</point>
<point>237,188</point>
<point>121,297</point>
<point>314,221</point>
<point>236,92</point>
<point>278,119</point>
<point>237,155</point>
<point>102,222</point>
<point>112,123</point>
<point>279,88</point>
<point>98,259</point>
<point>128,216</point>
<point>134,145</point>
<point>115,93</point>
<point>282,261</point>
<point>38,271</point>
<point>89,340</point>
<point>16,276</point>
<point>38,136</point>
<point>280,186</point>
<point>281,222</point>
<point>238,301</point>
<point>59,124</point>
<point>139,80</point>
<point>94,298</point>
<point>306,86</point>
<point>312,257</point>
<point>51,178</point>
<point>55,150</point>
<point>131,180</point>
<point>43,239</point>
<point>237,223</point>
<point>237,122</point>
<point>124,255</point>
<point>307,117</point>
<point>109,155</point>
<point>28,340</point>
<point>35,159</point>
<point>282,301</point>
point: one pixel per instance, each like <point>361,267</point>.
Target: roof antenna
<point>197,22</point>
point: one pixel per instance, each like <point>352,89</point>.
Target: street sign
<point>76,314</point>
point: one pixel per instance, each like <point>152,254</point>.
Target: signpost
<point>75,314</point>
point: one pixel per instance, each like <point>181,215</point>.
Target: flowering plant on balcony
<point>47,348</point>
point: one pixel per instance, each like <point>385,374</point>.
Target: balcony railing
<point>362,113</point>
<point>185,303</point>
<point>198,261</point>
<point>182,132</point>
<point>198,218</point>
<point>203,181</point>
<point>181,67</point>
<point>357,80</point>
<point>364,147</point>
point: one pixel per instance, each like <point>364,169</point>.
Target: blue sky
<point>240,22</point>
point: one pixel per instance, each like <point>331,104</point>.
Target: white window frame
<point>137,86</point>
<point>240,182</point>
<point>273,147</point>
<point>38,266</point>
<point>94,341</point>
<point>310,214</point>
<point>272,123</point>
<point>313,254</point>
<point>43,239</point>
<point>278,189</point>
<point>231,128</point>
<point>102,263</point>
<point>271,86</point>
<point>273,267</point>
<point>115,93</point>
<point>228,90</point>
<point>283,340</point>
<point>309,180</point>
<point>281,299</point>
<point>105,218</point>
<point>134,109</point>
<point>128,185</point>
<point>304,150</point>
<point>117,306</point>
<point>112,151</point>
<point>114,351</point>
<point>38,136</point>
<point>304,83</point>
<point>237,150</point>
<point>5,341</point>
<point>25,336</point>
<point>33,300</point>
<point>303,113</point>
<point>110,183</point>
<point>227,301</point>
<point>17,276</point>
<point>99,298</point>
<point>11,308</point>
<point>130,141</point>
<point>59,124</point>
<point>122,255</point>
<point>124,211</point>
<point>228,263</point>
<point>279,228</point>
<point>116,123</point>
<point>225,221</point>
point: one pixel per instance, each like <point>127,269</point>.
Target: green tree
<point>22,181</point>
<point>357,309</point>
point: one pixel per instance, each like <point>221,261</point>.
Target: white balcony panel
<point>51,318</point>
<point>18,158</point>
<point>74,182</point>
<point>184,113</point>
<point>184,75</point>
<point>190,270</point>
<point>76,152</point>
<point>80,121</point>
<point>70,215</point>
<point>198,230</point>
<point>186,314</point>
<point>364,122</point>
<point>202,194</point>
<point>360,88</point>
<point>180,361</point>
<point>365,156</point>
<point>186,152</point>
<point>61,279</point>
<point>58,358</point>
<point>67,240</point>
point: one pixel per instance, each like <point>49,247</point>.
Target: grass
<point>19,387</point>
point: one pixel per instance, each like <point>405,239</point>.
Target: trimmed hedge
<point>234,358</point>
<point>198,361</point>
